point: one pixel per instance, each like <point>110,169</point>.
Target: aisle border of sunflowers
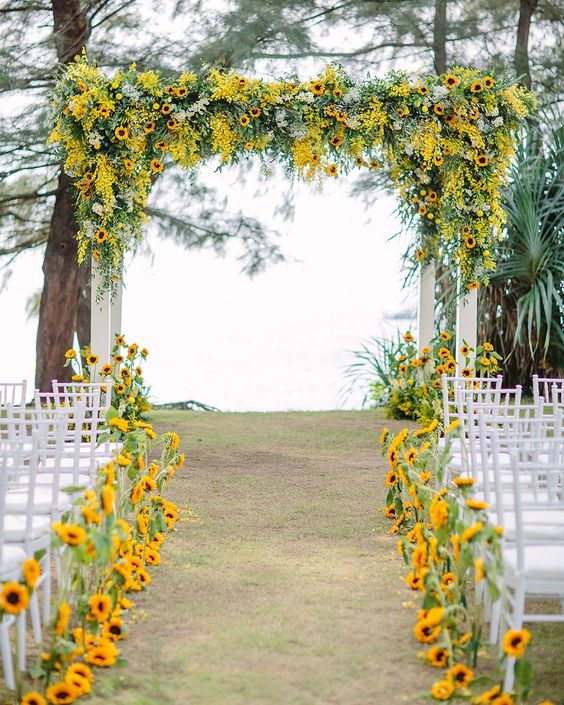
<point>106,541</point>
<point>446,540</point>
<point>447,142</point>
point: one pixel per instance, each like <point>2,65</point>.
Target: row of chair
<point>514,452</point>
<point>49,453</point>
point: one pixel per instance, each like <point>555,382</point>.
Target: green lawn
<point>280,585</point>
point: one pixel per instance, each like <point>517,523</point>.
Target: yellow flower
<point>332,170</point>
<point>156,166</point>
<point>100,607</point>
<point>482,160</point>
<point>485,362</point>
<point>113,629</point>
<point>452,425</point>
<point>31,572</point>
<point>466,372</point>
<point>408,337</point>
<point>14,597</point>
<point>70,354</point>
<point>383,435</point>
<point>121,133</point>
<point>108,499</point>
<point>444,336</point>
<point>442,690</point>
<point>101,656</point>
<point>63,618</point>
<point>488,347</point>
<point>438,512</point>
<point>71,534</point>
<point>244,120</point>
<point>61,693</point>
<point>318,88</point>
<point>464,481</point>
<point>479,569</point>
<point>460,675</point>
<point>451,81</point>
<point>476,504</point>
<point>477,87</point>
<point>437,656</point>
<point>121,424</point>
<point>472,531</point>
<point>515,641</point>
<point>411,456</point>
<point>33,698</point>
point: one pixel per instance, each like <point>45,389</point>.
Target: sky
<point>277,341</point>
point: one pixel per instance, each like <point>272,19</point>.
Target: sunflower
<point>81,684</point>
<point>172,123</point>
<point>443,353</point>
<point>128,164</point>
<point>156,166</point>
<point>31,572</point>
<point>422,209</point>
<point>169,90</point>
<point>92,359</point>
<point>489,696</point>
<point>101,235</point>
<point>420,255</point>
<point>393,457</point>
<point>438,656</point>
<point>100,607</point>
<point>108,499</point>
<point>152,557</point>
<point>402,369</point>
<point>473,285</point>
<point>161,146</point>
<point>451,81</point>
<point>244,120</point>
<point>33,698</point>
<point>390,511</point>
<point>336,140</point>
<point>476,87</point>
<point>438,512</point>
<point>471,532</point>
<point>439,109</point>
<point>515,642</point>
<point>460,675</point>
<point>442,690</point>
<point>411,456</point>
<point>448,580</point>
<point>488,82</point>
<point>470,242</point>
<point>113,629</point>
<point>444,336</point>
<point>485,361</point>
<point>318,88</point>
<point>392,478</point>
<point>422,90</point>
<point>63,618</point>
<point>503,699</point>
<point>425,632</point>
<point>415,581</point>
<point>70,354</point>
<point>476,504</point>
<point>474,114</point>
<point>482,160</point>
<point>143,577</point>
<point>61,693</point>
<point>255,112</point>
<point>120,388</point>
<point>488,347</point>
<point>101,656</point>
<point>121,133</point>
<point>165,110</point>
<point>466,371</point>
<point>14,597</point>
<point>438,159</point>
<point>332,170</point>
<point>71,534</point>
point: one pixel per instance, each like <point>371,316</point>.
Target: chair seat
<point>543,564</point>
<point>15,527</point>
<point>43,500</point>
<point>538,525</point>
<point>66,479</point>
<point>11,559</point>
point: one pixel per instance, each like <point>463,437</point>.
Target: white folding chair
<point>549,388</point>
<point>13,393</point>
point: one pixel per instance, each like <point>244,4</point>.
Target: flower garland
<point>109,542</point>
<point>451,552</point>
<point>447,140</point>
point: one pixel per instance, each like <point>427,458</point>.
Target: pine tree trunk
<point>439,36</point>
<point>526,11</point>
<point>65,301</point>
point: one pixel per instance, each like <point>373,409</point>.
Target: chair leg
<point>7,661</point>
<point>35,618</point>
<point>47,597</point>
<point>495,623</point>
<point>20,630</point>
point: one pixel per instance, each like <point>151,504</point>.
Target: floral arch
<point>447,141</point>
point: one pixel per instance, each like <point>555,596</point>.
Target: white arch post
<point>426,305</point>
<point>466,323</point>
<point>106,317</point>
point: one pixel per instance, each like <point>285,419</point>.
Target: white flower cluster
<point>306,96</point>
<point>94,137</point>
<point>129,91</point>
<point>196,108</point>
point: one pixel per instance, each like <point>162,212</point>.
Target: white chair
<point>13,393</point>
<point>549,388</point>
<point>534,568</point>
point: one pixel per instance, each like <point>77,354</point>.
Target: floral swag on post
<point>447,141</point>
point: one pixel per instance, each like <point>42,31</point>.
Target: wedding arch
<point>447,142</point>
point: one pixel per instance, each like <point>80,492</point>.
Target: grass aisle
<point>286,590</point>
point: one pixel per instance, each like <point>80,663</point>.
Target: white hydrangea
<point>353,96</point>
<point>198,107</point>
<point>88,228</point>
<point>498,122</point>
<point>352,122</point>
<point>306,96</point>
<point>94,137</point>
<point>281,118</point>
<point>439,92</point>
<point>98,208</point>
<point>129,91</point>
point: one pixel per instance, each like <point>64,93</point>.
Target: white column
<point>100,341</point>
<point>426,307</point>
<point>116,312</point>
<point>466,322</point>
